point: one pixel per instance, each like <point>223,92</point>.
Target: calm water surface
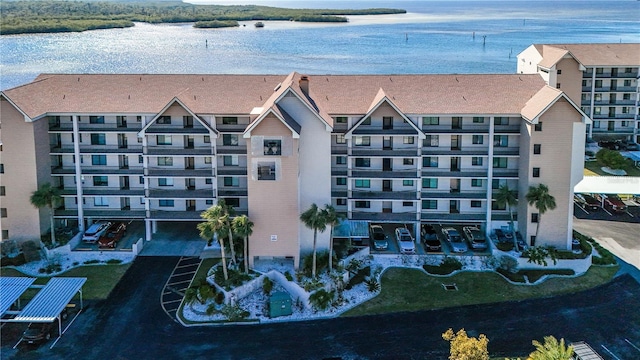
<point>434,37</point>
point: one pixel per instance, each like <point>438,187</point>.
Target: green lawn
<point>412,290</point>
<point>101,279</point>
<point>596,168</point>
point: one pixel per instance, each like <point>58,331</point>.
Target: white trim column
<point>593,96</point>
<point>489,175</point>
<point>78,172</point>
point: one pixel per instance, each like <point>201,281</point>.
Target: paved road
<point>132,325</point>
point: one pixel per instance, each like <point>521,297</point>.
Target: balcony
<point>454,195</point>
<point>177,129</point>
<point>506,151</point>
<point>96,149</point>
<point>105,170</point>
<point>446,173</point>
<point>505,173</point>
<point>384,217</point>
<point>339,193</point>
<point>234,192</point>
<point>168,150</point>
<point>232,170</point>
<point>339,171</point>
<point>231,128</point>
<point>105,191</point>
<point>107,127</point>
<point>177,172</point>
<point>465,151</point>
<point>628,116</point>
<point>381,174</point>
<point>173,215</point>
<point>107,213</point>
<point>383,195</point>
<point>378,130</point>
<point>506,129</point>
<point>465,129</point>
<point>453,217</point>
<point>339,150</point>
<point>401,152</point>
<point>180,194</point>
<point>227,149</point>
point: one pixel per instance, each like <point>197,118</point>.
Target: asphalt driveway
<point>132,325</point>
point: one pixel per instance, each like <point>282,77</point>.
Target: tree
<point>333,219</point>
<point>463,347</point>
<point>215,222</point>
<point>551,350</point>
<point>509,198</point>
<point>539,197</point>
<point>611,159</point>
<point>229,212</point>
<point>47,196</point>
<point>315,219</point>
<point>242,226</point>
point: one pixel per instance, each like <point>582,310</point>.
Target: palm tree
<point>243,227</point>
<point>216,220</point>
<point>333,219</point>
<point>539,197</point>
<point>230,213</point>
<point>47,196</point>
<point>551,350</point>
<point>316,219</point>
<point>509,198</point>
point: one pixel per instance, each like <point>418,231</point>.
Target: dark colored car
<point>40,332</point>
<point>112,235</point>
<point>430,238</point>
<point>611,144</point>
<point>503,236</point>
<point>586,202</point>
<point>379,238</point>
<point>612,202</point>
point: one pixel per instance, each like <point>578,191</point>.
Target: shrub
<point>354,265</point>
<point>359,277</point>
<point>267,285</point>
<point>13,261</point>
<point>219,298</point>
<point>446,267</point>
<point>312,285</point>
<point>611,159</point>
<point>509,264</point>
<point>321,299</point>
<point>211,309</point>
<point>605,258</point>
<point>114,261</point>
<point>539,254</point>
<point>322,262</point>
<point>236,278</point>
<point>92,261</point>
<point>75,263</point>
<point>372,285</point>
<point>288,276</point>
<point>234,312</point>
<point>505,246</point>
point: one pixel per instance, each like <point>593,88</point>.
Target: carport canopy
<point>609,185</point>
<point>49,302</point>
<point>352,229</point>
<point>11,288</point>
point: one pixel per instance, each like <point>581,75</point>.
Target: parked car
<point>476,237</point>
<point>405,241</point>
<point>503,236</point>
<point>113,235</point>
<point>586,202</point>
<point>631,146</point>
<point>455,240</point>
<point>39,332</point>
<point>611,202</point>
<point>430,238</point>
<point>378,238</point>
<point>96,230</point>
<point>611,144</point>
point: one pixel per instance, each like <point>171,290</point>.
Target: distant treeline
<point>19,17</point>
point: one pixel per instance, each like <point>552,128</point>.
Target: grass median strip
<point>413,290</point>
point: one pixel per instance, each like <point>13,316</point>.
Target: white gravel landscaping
<point>71,260</point>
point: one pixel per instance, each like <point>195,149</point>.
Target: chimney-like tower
<point>304,84</point>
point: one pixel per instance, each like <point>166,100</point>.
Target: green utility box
<point>279,304</point>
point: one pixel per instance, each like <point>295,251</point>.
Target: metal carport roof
<point>51,300</point>
<point>609,185</point>
<point>11,288</point>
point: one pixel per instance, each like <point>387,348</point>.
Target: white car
<point>405,241</point>
<point>96,230</point>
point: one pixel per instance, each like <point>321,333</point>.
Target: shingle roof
<point>540,102</point>
<point>239,94</point>
<point>597,54</point>
<point>551,55</point>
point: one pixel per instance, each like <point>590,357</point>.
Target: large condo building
<point>601,78</point>
<point>406,149</point>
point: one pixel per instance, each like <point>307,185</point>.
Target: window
<point>625,110</point>
<point>477,139</point>
<point>627,83</point>
<point>476,161</point>
<point>100,181</point>
<point>597,110</point>
<point>98,159</point>
<point>3,212</point>
<point>231,181</point>
<point>536,149</point>
<point>230,160</point>
<point>387,122</point>
<point>584,83</point>
<point>559,72</point>
<point>429,183</point>
<point>272,147</point>
<point>267,170</point>
<point>583,97</point>
<point>596,124</point>
<point>500,140</point>
<point>341,119</point>
<point>341,181</point>
<point>476,203</point>
<point>363,162</point>
<point>599,70</point>
<point>598,83</point>
<point>500,162</point>
<point>407,161</point>
<point>164,120</point>
<point>208,181</point>
<point>478,119</point>
<point>430,120</point>
<point>96,119</point>
<point>407,203</point>
<point>2,190</point>
<point>538,126</point>
<point>476,182</point>
<point>100,201</point>
<point>341,202</point>
<point>165,203</point>
<point>597,97</point>
<point>496,206</point>
<point>5,234</point>
<point>628,70</point>
<point>408,139</point>
<point>558,85</point>
<point>207,139</point>
<point>341,160</point>
<point>141,180</point>
<point>140,159</point>
<point>165,161</point>
<point>536,172</point>
<point>360,183</point>
<point>139,118</point>
<point>362,204</point>
<point>234,202</point>
<point>230,120</point>
<point>430,161</point>
<point>366,121</point>
<point>407,182</point>
<point>500,120</point>
<point>208,202</point>
<point>430,141</point>
<point>626,96</point>
<point>163,139</point>
<point>495,184</point>
<point>98,139</point>
<point>534,217</point>
<point>362,140</point>
<point>207,159</point>
<point>230,140</point>
<point>429,204</point>
<point>165,182</point>
<point>340,139</point>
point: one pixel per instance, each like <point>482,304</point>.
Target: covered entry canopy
<point>11,288</point>
<point>51,300</point>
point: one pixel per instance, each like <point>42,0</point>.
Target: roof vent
<point>277,87</point>
<point>304,84</point>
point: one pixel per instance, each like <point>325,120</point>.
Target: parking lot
<point>631,215</point>
<point>389,230</point>
<point>135,231</point>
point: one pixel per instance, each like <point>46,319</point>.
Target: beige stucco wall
<point>25,156</point>
<point>570,79</point>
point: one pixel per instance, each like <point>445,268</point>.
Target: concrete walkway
<point>173,248</point>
